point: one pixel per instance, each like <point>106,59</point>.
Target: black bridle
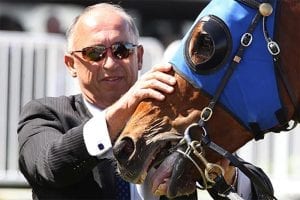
<point>263,11</point>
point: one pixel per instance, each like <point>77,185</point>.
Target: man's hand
<point>153,84</point>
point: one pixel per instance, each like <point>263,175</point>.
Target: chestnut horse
<point>158,133</point>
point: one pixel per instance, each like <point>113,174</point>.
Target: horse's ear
<point>208,45</point>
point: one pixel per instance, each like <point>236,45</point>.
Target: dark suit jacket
<point>53,156</point>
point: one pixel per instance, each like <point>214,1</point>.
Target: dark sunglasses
<point>98,52</point>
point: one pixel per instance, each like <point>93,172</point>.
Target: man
<point>65,142</point>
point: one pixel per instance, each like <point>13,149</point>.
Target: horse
<point>244,84</point>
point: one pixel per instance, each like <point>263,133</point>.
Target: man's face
<point>103,82</point>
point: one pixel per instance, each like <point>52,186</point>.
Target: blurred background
<point>32,46</point>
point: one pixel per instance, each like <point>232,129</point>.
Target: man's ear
<point>140,54</point>
<point>69,61</point>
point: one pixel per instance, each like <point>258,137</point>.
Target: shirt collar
<point>94,110</point>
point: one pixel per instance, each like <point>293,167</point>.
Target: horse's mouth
<point>173,177</point>
<point>150,155</point>
<point>160,179</point>
<point>154,160</point>
<point>170,171</point>
<point>173,174</point>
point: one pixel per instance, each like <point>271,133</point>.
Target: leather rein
<point>212,176</point>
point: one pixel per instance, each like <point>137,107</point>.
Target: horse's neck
<point>287,35</point>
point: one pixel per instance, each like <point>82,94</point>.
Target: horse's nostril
<point>123,149</point>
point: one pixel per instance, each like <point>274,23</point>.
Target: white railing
<point>279,155</point>
<point>31,67</point>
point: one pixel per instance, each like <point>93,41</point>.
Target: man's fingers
<point>160,86</point>
<point>162,68</point>
<point>150,93</point>
<point>154,84</point>
<point>160,76</point>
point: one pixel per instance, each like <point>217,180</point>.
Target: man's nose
<point>109,62</point>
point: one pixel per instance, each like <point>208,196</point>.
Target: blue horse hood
<point>251,95</point>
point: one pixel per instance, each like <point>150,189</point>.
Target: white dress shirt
<point>243,186</point>
<point>98,143</point>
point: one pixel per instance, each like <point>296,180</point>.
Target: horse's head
<point>155,129</point>
<point>209,52</point>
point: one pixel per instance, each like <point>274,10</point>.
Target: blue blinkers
<point>251,95</point>
<point>208,45</point>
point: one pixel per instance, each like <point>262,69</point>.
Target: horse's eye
<point>208,45</point>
